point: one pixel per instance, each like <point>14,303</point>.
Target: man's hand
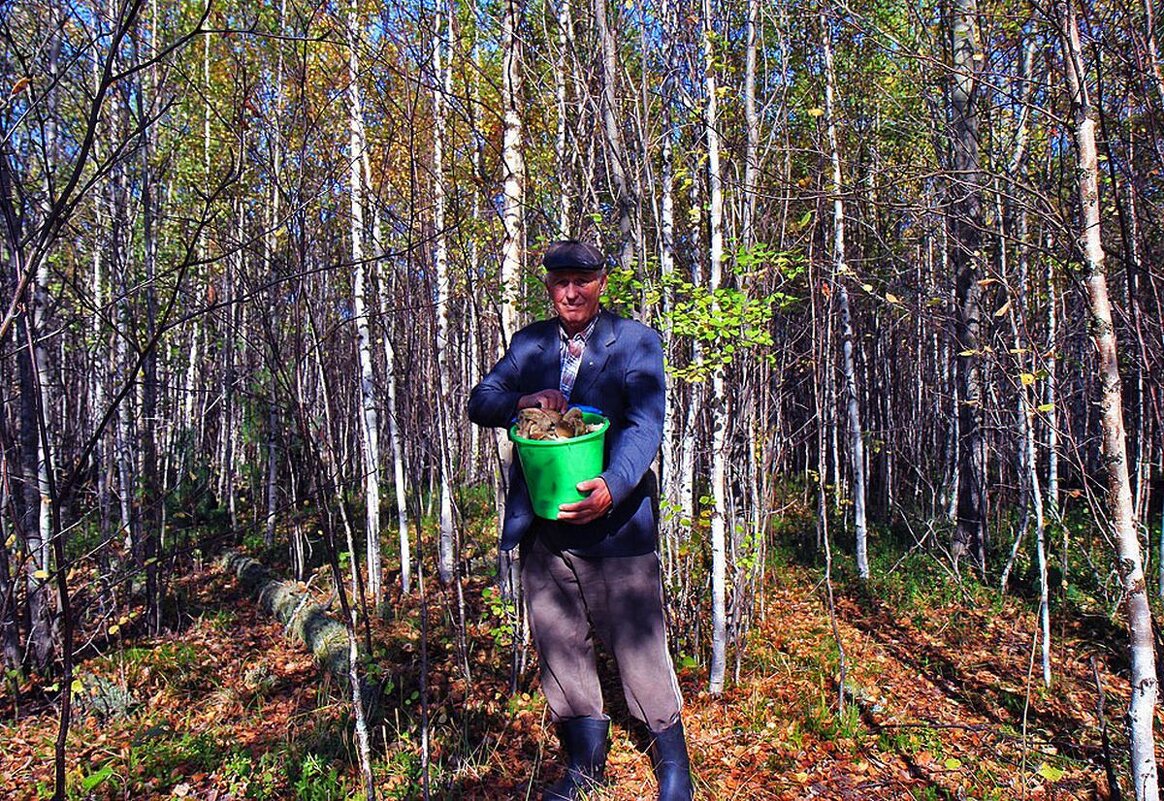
<point>590,508</point>
<point>546,399</point>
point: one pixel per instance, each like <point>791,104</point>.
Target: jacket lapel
<point>549,359</point>
<point>594,358</point>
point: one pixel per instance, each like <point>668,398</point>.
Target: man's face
<point>575,294</point>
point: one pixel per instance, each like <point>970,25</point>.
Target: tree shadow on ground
<point>990,701</point>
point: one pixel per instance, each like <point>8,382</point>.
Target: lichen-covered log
<point>292,606</point>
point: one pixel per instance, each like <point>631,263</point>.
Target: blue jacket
<point>621,374</point>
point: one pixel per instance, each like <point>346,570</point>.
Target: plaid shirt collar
<point>582,336</point>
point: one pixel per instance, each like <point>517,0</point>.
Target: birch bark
<point>719,437</point>
<point>1144,684</point>
<point>442,79</point>
<point>752,122</point>
<point>840,272</point>
<point>565,158</point>
<point>369,421</point>
<point>513,247</point>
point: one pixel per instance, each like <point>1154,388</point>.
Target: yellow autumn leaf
<point>20,86</point>
<point>1050,772</point>
<point>40,574</point>
<point>8,543</point>
<point>1003,309</point>
<point>114,629</point>
<point>1027,379</point>
<point>815,112</point>
<point>889,296</point>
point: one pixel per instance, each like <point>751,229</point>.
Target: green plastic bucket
<point>554,467</point>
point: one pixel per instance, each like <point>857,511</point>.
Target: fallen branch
<point>305,620</point>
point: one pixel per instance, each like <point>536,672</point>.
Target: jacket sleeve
<point>493,402</point>
<point>635,446</point>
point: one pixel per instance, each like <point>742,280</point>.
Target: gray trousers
<point>569,599</point>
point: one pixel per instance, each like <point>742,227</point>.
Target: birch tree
<point>1144,683</point>
<point>442,88</point>
<point>719,395</point>
<point>513,246</point>
<point>369,417</point>
<point>840,275</point>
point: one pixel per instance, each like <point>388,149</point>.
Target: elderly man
<point>595,569</point>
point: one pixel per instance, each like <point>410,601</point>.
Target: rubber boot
<point>584,741</point>
<point>671,764</point>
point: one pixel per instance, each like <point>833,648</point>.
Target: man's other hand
<point>590,508</point>
<point>546,399</point>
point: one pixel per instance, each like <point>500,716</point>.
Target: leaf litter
<point>233,708</point>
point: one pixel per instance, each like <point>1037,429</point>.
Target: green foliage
<point>819,718</point>
<point>911,584</point>
<point>624,290</point>
<point>731,319</point>
<point>318,781</point>
<point>500,615</point>
<point>402,771</point>
<point>910,741</point>
<point>748,551</point>
<point>727,321</point>
<point>91,781</point>
<point>250,778</point>
<point>161,754</point>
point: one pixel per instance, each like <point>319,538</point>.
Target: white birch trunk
<point>686,478</point>
<point>513,246</point>
<point>369,423</point>
<point>123,434</point>
<point>1144,685</point>
<point>752,120</point>
<point>565,44</point>
<point>394,439</point>
<point>719,426</point>
<point>669,479</point>
<point>840,272</point>
<point>193,373</point>
<point>1051,393</point>
<point>442,77</point>
<point>513,204</point>
<point>1153,52</point>
<point>401,489</point>
<point>99,368</point>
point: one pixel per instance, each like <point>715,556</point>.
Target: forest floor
<point>941,703</point>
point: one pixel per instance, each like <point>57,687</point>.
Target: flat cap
<point>570,254</point>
